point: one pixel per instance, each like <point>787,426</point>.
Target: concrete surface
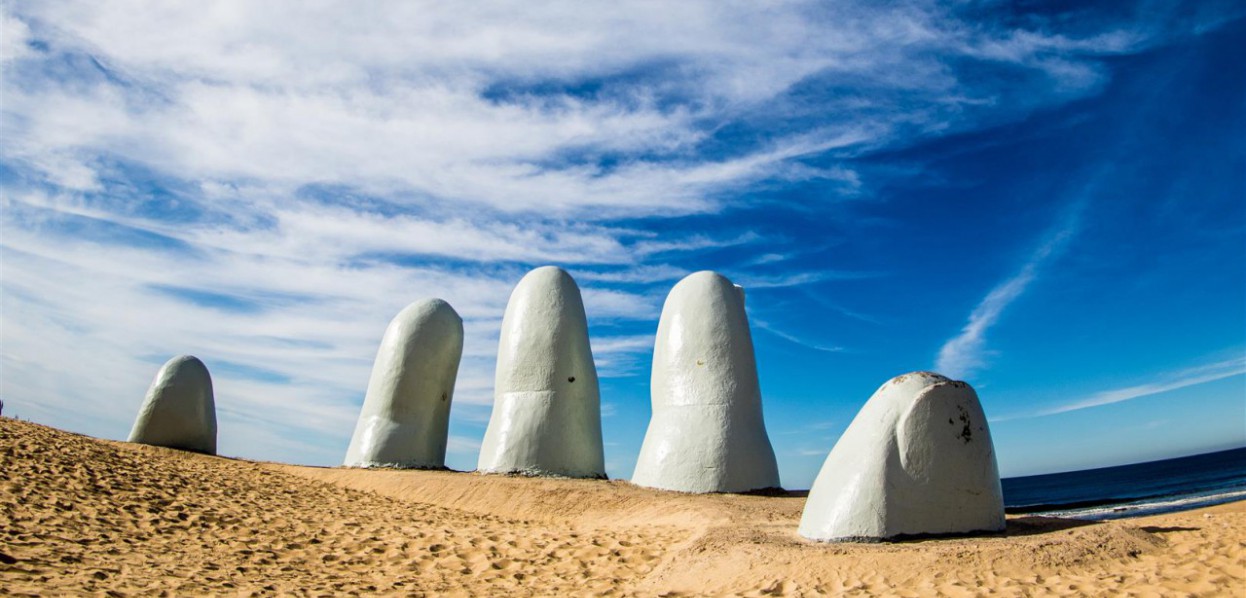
<point>547,407</point>
<point>707,433</point>
<point>917,460</point>
<point>179,410</point>
<point>406,412</point>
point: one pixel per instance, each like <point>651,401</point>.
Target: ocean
<point>1132,490</point>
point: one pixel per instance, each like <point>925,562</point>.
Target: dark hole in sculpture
<point>966,433</point>
<point>571,379</point>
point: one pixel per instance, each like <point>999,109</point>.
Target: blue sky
<point>1048,202</point>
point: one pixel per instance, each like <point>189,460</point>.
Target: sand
<point>85,516</point>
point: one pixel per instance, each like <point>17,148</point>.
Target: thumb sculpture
<point>406,413</point>
<point>179,411</point>
<point>547,407</point>
<point>707,433</point>
<point>917,460</point>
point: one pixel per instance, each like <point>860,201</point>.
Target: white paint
<point>547,407</point>
<point>406,414</point>
<point>917,459</point>
<point>707,433</point>
<point>179,410</point>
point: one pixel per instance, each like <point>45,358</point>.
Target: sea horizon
<point>1131,490</point>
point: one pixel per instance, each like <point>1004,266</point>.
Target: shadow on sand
<point>1029,526</point>
<point>1155,529</point>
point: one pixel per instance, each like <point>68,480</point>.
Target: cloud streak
<point>267,184</point>
<point>791,338</point>
<point>495,113</point>
<point>1167,382</point>
<point>964,354</point>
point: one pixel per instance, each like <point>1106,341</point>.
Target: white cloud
<point>1161,383</point>
<point>305,318</point>
<point>787,336</point>
<point>1170,381</point>
<point>760,281</point>
<point>964,354</point>
<point>639,274</point>
<point>14,35</point>
<point>811,452</point>
<point>398,99</point>
<point>463,445</point>
<point>266,184</point>
<point>623,355</point>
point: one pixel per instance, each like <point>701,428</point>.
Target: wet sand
<point>85,516</point>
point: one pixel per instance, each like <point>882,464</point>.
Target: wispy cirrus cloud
<point>267,184</point>
<point>965,353</point>
<point>1162,383</point>
<point>792,338</point>
<point>497,112</point>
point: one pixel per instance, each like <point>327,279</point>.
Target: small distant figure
<point>179,411</point>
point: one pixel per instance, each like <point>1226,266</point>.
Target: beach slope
<point>85,516</point>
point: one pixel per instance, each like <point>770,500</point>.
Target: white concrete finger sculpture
<point>547,407</point>
<point>917,460</point>
<point>179,411</point>
<point>406,412</point>
<point>707,433</point>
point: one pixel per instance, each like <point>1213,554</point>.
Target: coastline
<point>1134,489</point>
<point>83,515</point>
<point>1108,509</point>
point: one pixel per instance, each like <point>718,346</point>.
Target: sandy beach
<point>85,516</point>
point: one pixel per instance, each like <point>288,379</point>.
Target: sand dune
<point>80,515</point>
